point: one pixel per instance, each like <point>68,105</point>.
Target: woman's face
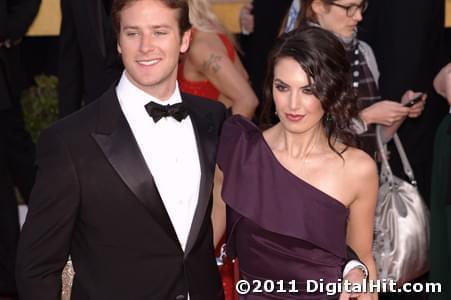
<point>299,111</point>
<point>334,17</point>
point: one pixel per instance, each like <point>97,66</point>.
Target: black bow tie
<point>156,111</point>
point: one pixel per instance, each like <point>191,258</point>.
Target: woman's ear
<point>318,7</point>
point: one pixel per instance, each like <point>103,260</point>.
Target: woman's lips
<point>294,117</point>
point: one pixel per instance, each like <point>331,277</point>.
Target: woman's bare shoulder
<point>359,164</point>
<point>360,174</point>
<point>207,40</point>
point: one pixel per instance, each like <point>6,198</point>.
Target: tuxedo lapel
<point>115,138</point>
<point>204,132</point>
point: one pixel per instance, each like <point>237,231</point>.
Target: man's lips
<point>148,62</point>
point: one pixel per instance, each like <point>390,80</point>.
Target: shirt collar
<point>131,96</point>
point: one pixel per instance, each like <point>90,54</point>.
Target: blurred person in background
<point>17,151</point>
<point>440,253</point>
<point>88,59</point>
<point>341,18</point>
<point>408,43</point>
<point>260,21</point>
<point>211,68</point>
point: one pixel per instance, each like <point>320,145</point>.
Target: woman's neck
<point>300,145</point>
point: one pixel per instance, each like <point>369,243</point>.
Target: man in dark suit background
<point>124,185</point>
<point>16,147</point>
<point>88,60</point>
<point>268,17</point>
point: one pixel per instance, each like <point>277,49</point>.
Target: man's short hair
<point>180,5</point>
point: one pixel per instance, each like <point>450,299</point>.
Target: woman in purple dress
<point>298,193</point>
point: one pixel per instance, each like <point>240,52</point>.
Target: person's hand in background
<point>442,82</point>
<point>415,110</point>
<point>247,19</point>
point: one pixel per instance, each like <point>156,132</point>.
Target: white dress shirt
<point>170,151</point>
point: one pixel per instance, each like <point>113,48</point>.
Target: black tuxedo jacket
<point>15,18</point>
<point>88,60</point>
<point>96,200</point>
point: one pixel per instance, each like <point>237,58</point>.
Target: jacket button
<point>180,297</point>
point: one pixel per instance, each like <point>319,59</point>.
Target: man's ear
<point>186,39</point>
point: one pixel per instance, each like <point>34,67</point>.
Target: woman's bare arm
<point>211,60</point>
<point>218,213</point>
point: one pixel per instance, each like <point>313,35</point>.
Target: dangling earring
<point>329,118</point>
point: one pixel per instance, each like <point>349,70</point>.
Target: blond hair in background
<point>202,17</point>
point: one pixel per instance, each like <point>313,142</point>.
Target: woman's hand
<point>385,112</point>
<point>355,276</point>
<point>416,110</point>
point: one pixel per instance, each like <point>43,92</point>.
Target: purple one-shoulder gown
<point>278,226</point>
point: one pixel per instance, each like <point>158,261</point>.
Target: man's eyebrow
<point>153,27</point>
<point>130,27</point>
<point>164,26</point>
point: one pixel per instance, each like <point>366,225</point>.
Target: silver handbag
<point>401,229</point>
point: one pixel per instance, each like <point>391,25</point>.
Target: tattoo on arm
<point>212,63</point>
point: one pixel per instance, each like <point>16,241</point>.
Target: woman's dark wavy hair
<point>322,56</point>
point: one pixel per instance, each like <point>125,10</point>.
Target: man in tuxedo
<point>88,60</point>
<point>124,185</point>
<point>16,147</point>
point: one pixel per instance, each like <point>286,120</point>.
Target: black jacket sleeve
<point>53,209</point>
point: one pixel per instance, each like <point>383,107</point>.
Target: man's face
<point>150,43</point>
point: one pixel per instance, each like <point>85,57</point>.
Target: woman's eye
<point>131,33</point>
<point>281,87</point>
<point>307,90</point>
